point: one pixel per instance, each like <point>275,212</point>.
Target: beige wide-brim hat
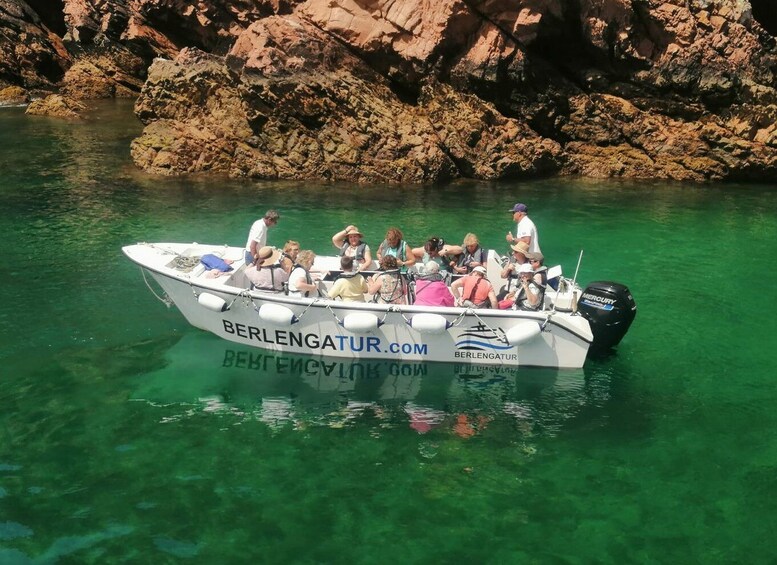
<point>354,231</point>
<point>538,256</point>
<point>521,247</point>
<point>268,255</point>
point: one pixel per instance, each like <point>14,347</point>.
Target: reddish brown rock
<point>200,128</point>
<point>754,123</point>
<point>302,106</point>
<point>112,42</point>
<point>118,39</point>
<point>419,90</point>
<point>402,40</point>
<point>99,77</point>
<point>483,143</point>
<point>13,96</point>
<point>31,55</point>
<point>333,125</point>
<point>56,106</point>
<point>164,27</point>
<point>318,110</point>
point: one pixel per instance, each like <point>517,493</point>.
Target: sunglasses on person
<point>534,260</point>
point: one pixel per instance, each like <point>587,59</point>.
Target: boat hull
<point>370,331</point>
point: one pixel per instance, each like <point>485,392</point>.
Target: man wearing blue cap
<point>526,230</point>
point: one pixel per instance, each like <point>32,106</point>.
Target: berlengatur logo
<point>482,338</point>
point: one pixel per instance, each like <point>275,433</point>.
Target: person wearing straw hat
<point>525,230</point>
<point>476,291</point>
<point>266,272</point>
<point>349,242</point>
<point>517,258</point>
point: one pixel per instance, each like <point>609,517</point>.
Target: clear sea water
<point>127,436</point>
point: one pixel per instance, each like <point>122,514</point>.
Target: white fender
<point>212,302</point>
<point>429,323</point>
<point>277,314</point>
<point>522,333</point>
<point>361,322</point>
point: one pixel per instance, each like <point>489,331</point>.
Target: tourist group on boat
<point>436,274</point>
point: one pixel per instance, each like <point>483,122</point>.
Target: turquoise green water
<point>128,436</point>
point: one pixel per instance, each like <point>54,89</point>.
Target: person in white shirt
<point>257,236</point>
<point>526,230</point>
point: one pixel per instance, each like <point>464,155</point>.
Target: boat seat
<point>237,277</point>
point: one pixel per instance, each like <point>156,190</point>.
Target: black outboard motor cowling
<point>610,309</point>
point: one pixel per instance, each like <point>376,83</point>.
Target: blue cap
<point>519,208</point>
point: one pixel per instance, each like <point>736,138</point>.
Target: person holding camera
<point>436,250</point>
<point>510,269</point>
<point>395,246</point>
<point>530,294</point>
<point>472,255</point>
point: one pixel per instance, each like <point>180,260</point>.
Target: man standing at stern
<point>526,231</point>
<point>257,237</point>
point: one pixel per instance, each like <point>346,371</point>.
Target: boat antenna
<point>579,259</point>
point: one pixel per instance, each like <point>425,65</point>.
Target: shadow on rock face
<point>765,14</point>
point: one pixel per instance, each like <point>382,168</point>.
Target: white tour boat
<point>573,322</point>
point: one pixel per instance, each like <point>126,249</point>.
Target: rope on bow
<point>166,300</point>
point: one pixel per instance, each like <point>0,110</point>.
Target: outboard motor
<point>610,309</point>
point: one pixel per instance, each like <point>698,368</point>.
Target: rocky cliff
<point>419,91</point>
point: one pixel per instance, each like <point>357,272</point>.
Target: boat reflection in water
<point>205,374</point>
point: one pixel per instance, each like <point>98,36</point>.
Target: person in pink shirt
<point>430,289</point>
